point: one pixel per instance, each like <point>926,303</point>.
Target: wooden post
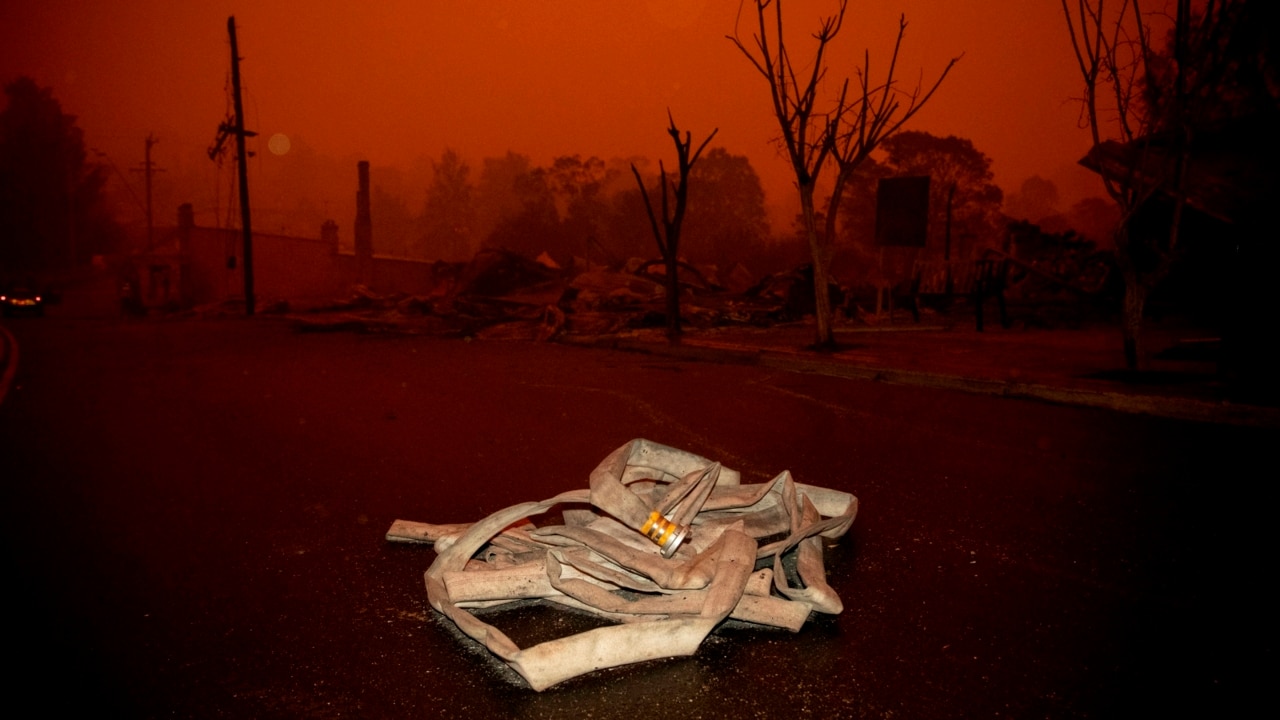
<point>946,245</point>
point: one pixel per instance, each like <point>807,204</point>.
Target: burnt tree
<point>667,231</point>
<point>1145,110</point>
<point>806,132</point>
<point>845,130</point>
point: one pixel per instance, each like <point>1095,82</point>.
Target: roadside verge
<point>1141,403</point>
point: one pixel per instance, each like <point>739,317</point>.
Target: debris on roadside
<point>663,542</point>
<point>503,295</point>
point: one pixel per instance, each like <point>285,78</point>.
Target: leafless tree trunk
<point>667,232</point>
<point>805,131</point>
<point>846,130</point>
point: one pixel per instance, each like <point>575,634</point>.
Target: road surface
<point>194,516</point>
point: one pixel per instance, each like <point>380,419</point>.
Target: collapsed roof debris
<point>501,294</point>
<point>663,542</point>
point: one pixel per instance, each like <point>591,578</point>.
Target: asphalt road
<point>194,513</point>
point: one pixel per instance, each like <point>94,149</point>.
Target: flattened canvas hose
<point>664,542</point>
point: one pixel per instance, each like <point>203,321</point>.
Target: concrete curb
<point>1175,408</point>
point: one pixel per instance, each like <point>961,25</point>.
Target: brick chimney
<point>363,227</point>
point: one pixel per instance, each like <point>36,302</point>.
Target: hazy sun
<point>278,144</point>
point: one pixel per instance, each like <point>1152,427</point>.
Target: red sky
<point>400,80</point>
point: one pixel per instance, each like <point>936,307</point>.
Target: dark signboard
<point>902,211</point>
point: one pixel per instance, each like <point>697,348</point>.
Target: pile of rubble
<point>500,294</point>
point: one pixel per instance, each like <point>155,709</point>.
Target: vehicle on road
<point>19,299</point>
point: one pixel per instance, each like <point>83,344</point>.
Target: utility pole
<point>237,129</point>
<point>147,169</point>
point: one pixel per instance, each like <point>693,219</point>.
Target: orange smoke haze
<point>397,82</point>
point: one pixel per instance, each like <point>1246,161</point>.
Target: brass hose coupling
<point>666,534</point>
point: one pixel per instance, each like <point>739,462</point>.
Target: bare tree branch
<point>667,232</point>
<point>847,132</point>
<point>871,118</point>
